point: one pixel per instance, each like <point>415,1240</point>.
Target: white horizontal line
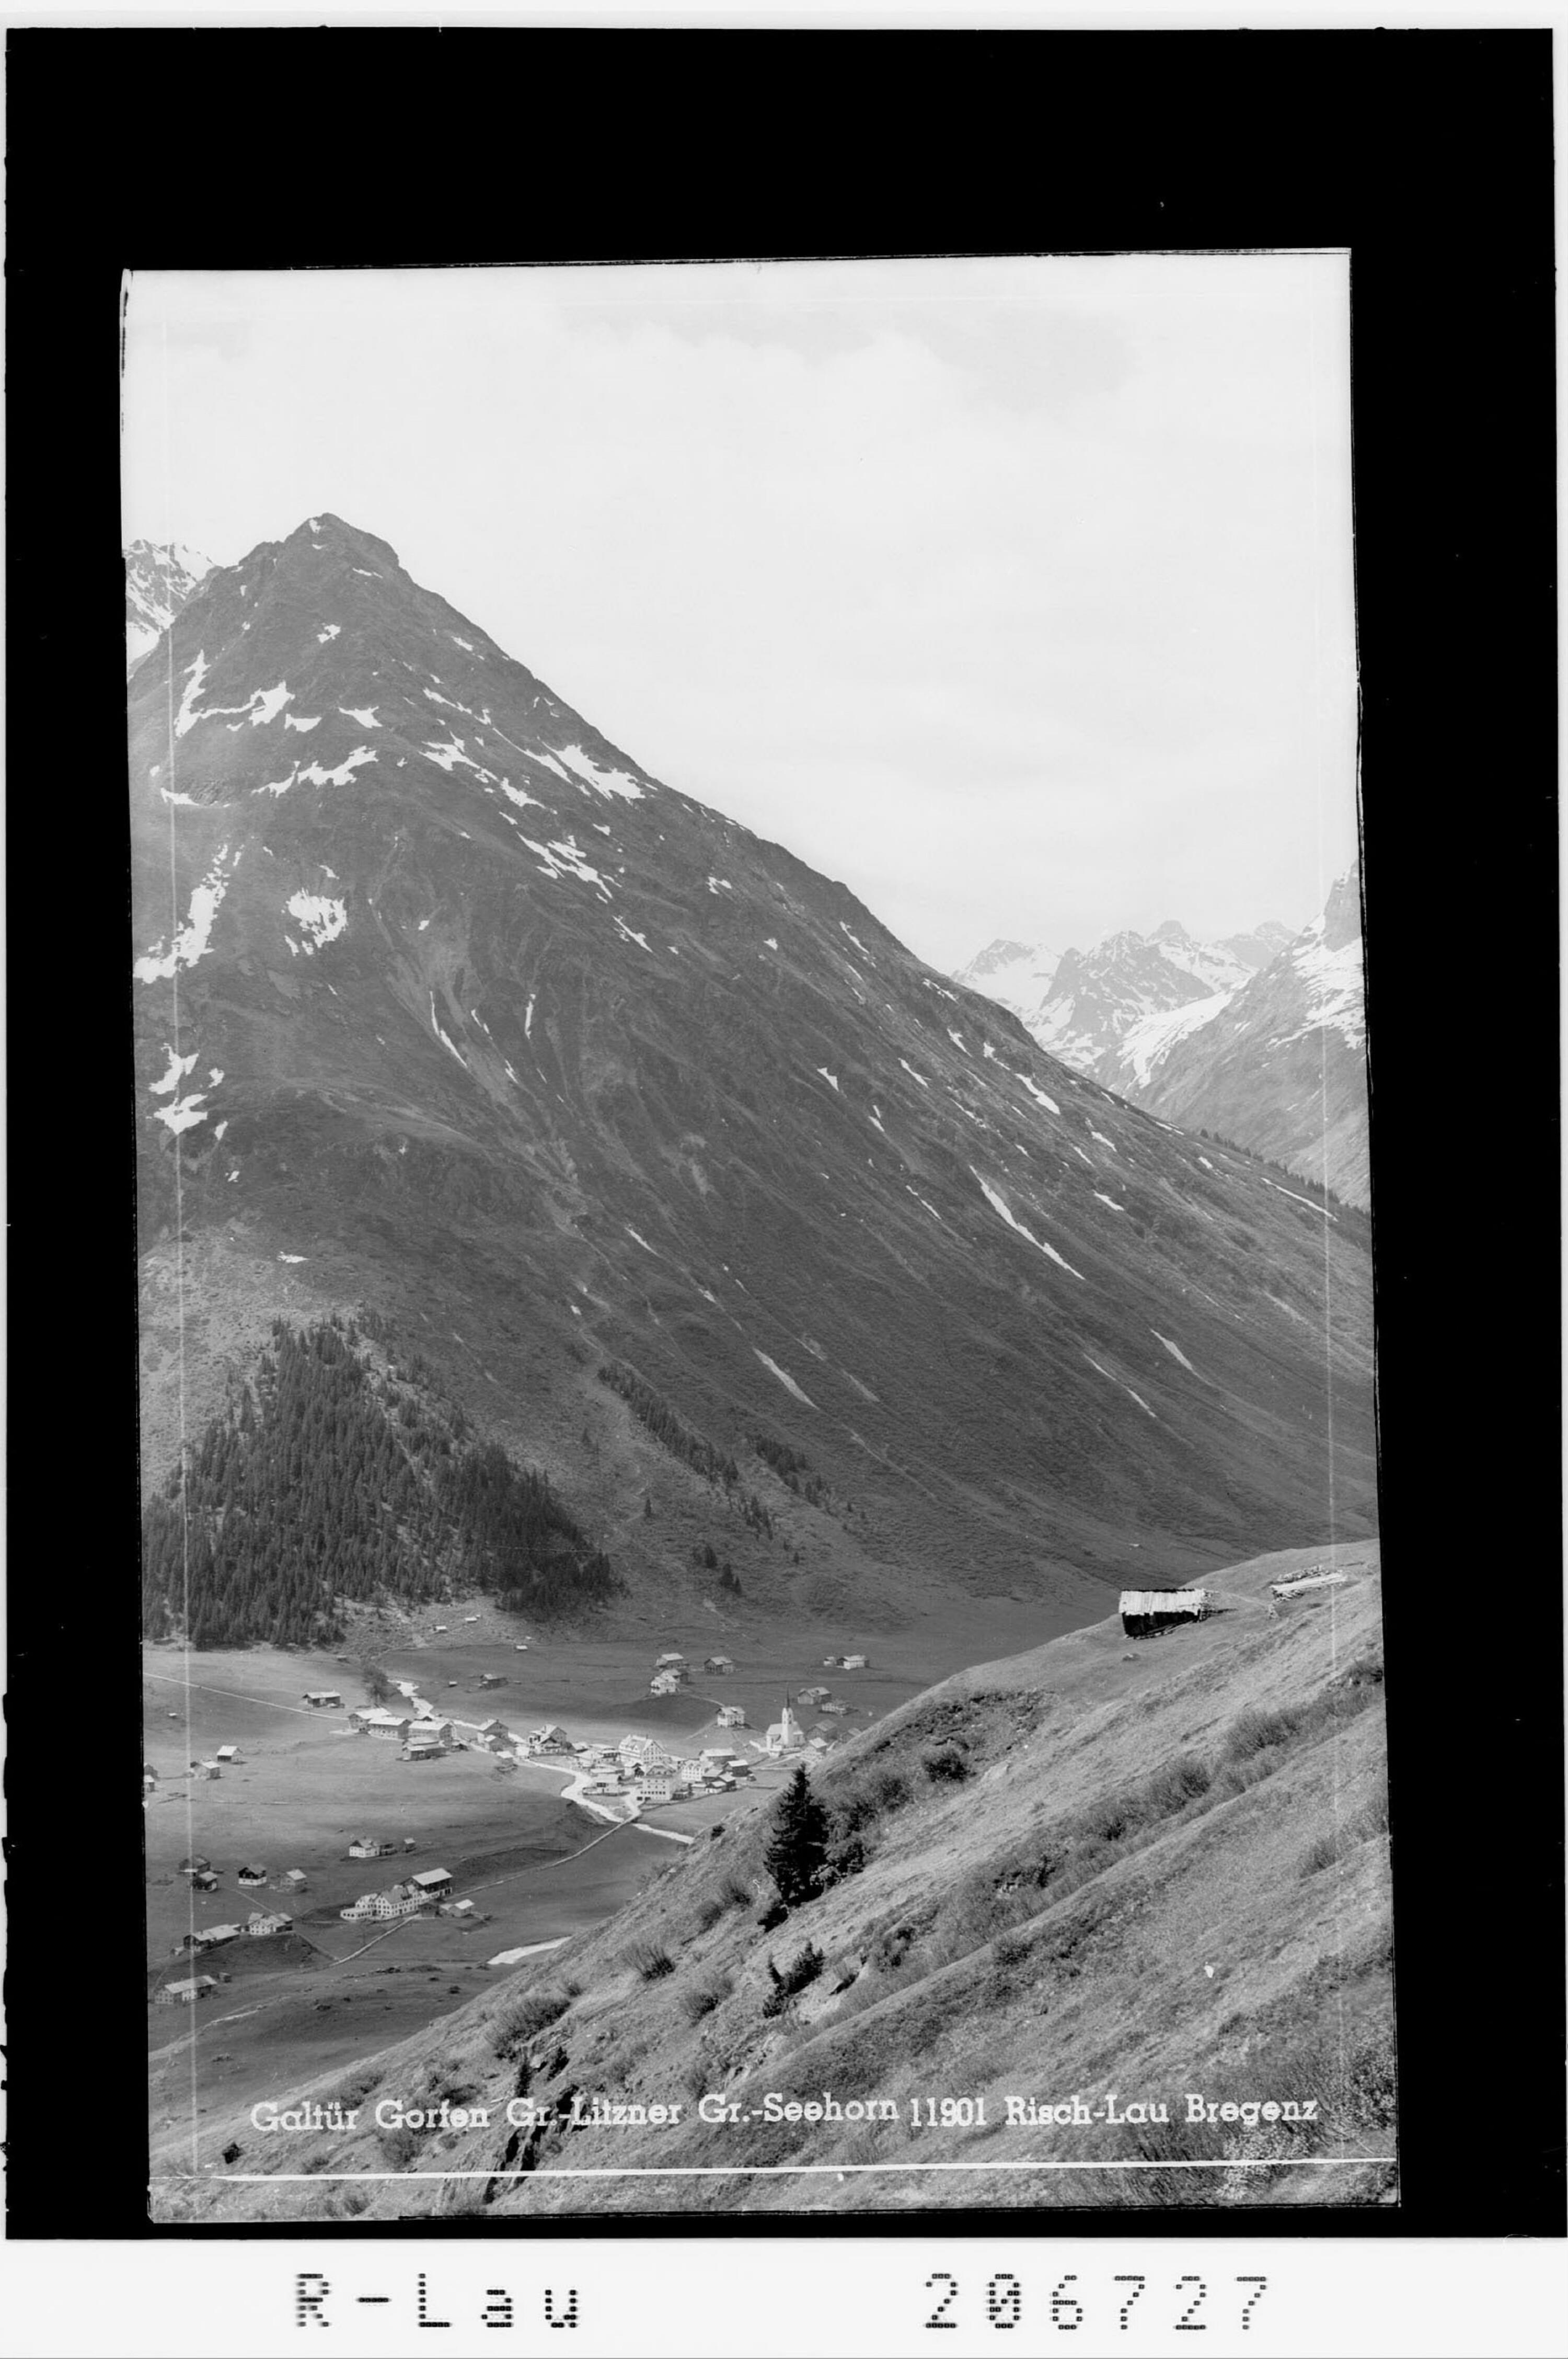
<point>785,2169</point>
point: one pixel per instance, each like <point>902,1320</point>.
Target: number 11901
<point>1067,2311</point>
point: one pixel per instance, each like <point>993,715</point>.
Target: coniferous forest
<point>331,1478</point>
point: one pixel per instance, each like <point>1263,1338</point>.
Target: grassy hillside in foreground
<point>1154,1868</point>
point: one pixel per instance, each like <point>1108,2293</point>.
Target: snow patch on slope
<point>158,964</point>
<point>999,1204</point>
<point>1126,1388</point>
<point>784,1378</point>
<point>603,782</point>
<point>1049,1103</point>
<point>320,921</point>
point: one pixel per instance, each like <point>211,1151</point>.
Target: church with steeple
<point>786,1735</point>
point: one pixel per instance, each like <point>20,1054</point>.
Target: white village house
<point>375,1720</point>
<point>187,1992</point>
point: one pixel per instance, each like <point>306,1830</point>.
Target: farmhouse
<point>1146,1613</point>
<point>323,1699</point>
<point>494,1680</point>
<point>296,1879</point>
<point>196,1861</point>
<point>185,1993</point>
<point>252,1876</point>
<point>664,1663</point>
<point>208,1937</point>
<point>857,1662</point>
<point>279,1921</point>
<point>200,1769</point>
<point>434,1883</point>
<point>815,1695</point>
<point>639,1753</point>
<point>732,1716</point>
<point>375,1720</point>
<point>718,1663</point>
<point>494,1732</point>
<point>665,1682</point>
<point>368,1847</point>
<point>395,1903</point>
<point>203,1880</point>
<point>553,1739</point>
<point>227,1752</point>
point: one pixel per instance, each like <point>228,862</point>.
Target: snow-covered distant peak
<point>1015,974</point>
<point>160,578</point>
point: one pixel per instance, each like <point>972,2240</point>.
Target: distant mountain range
<point>160,577</point>
<point>1282,1066</point>
<point>665,1153</point>
<point>1259,1036</point>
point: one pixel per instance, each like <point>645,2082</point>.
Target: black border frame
<point>1430,156</point>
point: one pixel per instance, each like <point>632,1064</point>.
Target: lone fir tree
<point>798,1847</point>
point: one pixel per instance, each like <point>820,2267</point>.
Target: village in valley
<point>507,1827</point>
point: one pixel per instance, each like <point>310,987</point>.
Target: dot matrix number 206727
<point>1070,2302</point>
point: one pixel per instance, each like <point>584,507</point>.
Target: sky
<point>1016,593</point>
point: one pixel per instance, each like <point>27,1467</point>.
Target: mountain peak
<point>330,534</point>
<point>474,1010</point>
<point>1173,930</point>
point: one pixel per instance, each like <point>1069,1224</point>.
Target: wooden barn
<point>1148,1613</point>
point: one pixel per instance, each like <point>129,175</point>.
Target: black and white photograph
<point>761,1578</point>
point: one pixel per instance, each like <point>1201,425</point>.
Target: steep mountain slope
<point>1121,1875</point>
<point>160,578</point>
<point>454,1011</point>
<point>1281,1068</point>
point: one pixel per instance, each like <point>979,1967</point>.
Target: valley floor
<point>1158,1878</point>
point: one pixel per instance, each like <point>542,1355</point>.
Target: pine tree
<point>798,1847</point>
